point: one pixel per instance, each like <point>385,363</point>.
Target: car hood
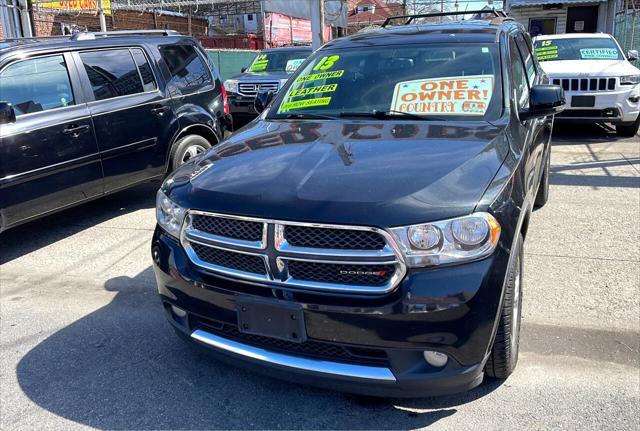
<point>588,68</point>
<point>364,173</point>
<point>261,76</point>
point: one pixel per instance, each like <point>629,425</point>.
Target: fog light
<point>435,359</point>
<point>634,99</point>
<point>178,312</point>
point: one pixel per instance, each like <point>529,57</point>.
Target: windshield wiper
<point>382,115</point>
<point>307,116</point>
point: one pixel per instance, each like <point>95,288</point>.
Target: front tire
<point>504,352</point>
<point>630,130</point>
<point>186,148</point>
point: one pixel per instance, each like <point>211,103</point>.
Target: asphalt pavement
<point>84,342</point>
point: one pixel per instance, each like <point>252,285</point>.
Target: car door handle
<point>75,130</point>
<point>160,110</point>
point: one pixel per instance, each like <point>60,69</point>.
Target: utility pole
<point>101,17</point>
<point>317,23</point>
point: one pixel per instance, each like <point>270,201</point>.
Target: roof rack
<point>84,35</point>
<point>410,18</point>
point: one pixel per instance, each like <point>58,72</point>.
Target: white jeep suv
<point>600,83</point>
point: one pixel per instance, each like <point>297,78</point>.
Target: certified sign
<point>599,53</point>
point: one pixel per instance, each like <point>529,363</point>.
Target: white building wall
<point>524,14</point>
<point>606,12</point>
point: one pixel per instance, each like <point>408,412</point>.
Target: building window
<point>250,17</point>
<point>538,26</point>
<point>367,8</point>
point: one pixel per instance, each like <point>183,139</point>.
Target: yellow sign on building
<point>76,5</point>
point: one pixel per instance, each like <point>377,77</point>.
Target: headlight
<point>456,240</point>
<point>169,215</point>
<point>231,85</point>
<point>630,80</point>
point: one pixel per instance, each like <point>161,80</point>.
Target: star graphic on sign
<point>405,85</point>
<point>475,86</point>
<point>482,81</point>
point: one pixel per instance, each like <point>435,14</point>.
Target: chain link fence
<point>627,29</point>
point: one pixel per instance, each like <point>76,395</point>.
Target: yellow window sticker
<point>259,64</point>
<point>326,62</point>
<point>304,103</point>
<point>546,51</point>
<point>455,95</point>
<point>328,88</point>
<point>319,76</point>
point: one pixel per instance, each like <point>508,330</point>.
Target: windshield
<point>587,48</point>
<point>445,81</point>
<point>279,61</point>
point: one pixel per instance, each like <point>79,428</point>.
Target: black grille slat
<point>337,239</point>
<point>340,273</point>
<point>309,348</point>
<point>228,259</point>
<point>612,84</point>
<point>228,227</point>
<point>603,84</point>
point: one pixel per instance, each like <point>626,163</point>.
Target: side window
<point>528,60</point>
<point>112,73</point>
<point>518,76</point>
<point>189,73</point>
<point>148,83</point>
<point>36,84</point>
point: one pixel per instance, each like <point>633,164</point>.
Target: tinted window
<point>112,73</point>
<point>578,48</point>
<point>145,70</point>
<point>286,60</point>
<point>188,71</point>
<point>36,85</point>
<point>448,81</point>
<point>528,60</point>
<point>519,77</point>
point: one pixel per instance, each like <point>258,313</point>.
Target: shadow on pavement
<point>122,367</point>
<point>600,168</point>
<point>582,133</point>
<point>53,228</point>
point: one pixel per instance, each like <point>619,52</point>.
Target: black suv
<point>91,114</point>
<point>269,71</point>
<point>366,233</point>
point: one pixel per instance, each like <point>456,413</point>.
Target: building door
<point>582,19</point>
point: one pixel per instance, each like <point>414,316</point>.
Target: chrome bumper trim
<point>337,369</point>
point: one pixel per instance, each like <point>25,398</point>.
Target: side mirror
<point>243,69</point>
<point>7,113</point>
<point>632,55</point>
<point>263,98</point>
<point>544,100</point>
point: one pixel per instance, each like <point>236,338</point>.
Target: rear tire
<point>543,189</point>
<point>187,148</point>
<point>504,352</point>
<point>630,130</point>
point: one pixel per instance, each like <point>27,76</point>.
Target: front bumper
<point>451,310</point>
<point>241,105</point>
<point>620,106</point>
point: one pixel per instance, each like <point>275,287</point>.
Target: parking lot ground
<point>84,342</point>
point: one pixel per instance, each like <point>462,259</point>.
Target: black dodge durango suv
<point>366,232</point>
<point>94,113</point>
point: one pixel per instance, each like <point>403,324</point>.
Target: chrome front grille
<point>586,84</point>
<point>252,88</point>
<point>309,256</point>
